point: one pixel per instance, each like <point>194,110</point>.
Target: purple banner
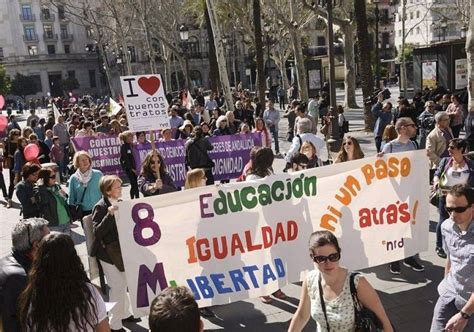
<point>104,150</point>
<point>230,154</point>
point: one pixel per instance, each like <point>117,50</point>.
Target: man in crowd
<point>104,127</point>
<point>175,120</point>
<point>304,134</point>
<point>60,130</point>
<point>175,310</point>
<point>455,304</point>
<point>32,117</point>
<point>301,114</point>
<point>406,129</point>
<point>313,108</point>
<point>438,139</point>
<point>14,268</point>
<point>383,116</point>
<point>211,103</point>
<point>271,116</point>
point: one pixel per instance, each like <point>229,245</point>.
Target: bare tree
<point>470,57</point>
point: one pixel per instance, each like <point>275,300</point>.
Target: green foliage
<point>407,54</point>
<point>69,84</point>
<point>4,82</point>
<point>23,86</point>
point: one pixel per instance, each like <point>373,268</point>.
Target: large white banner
<point>246,239</point>
<point>145,102</point>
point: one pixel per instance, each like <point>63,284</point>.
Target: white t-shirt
<point>100,307</point>
<point>458,176</point>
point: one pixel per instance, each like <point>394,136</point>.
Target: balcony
<point>30,38</point>
<point>47,17</point>
<point>67,37</point>
<point>28,17</point>
<point>50,36</point>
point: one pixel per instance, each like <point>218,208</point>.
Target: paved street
<point>408,298</point>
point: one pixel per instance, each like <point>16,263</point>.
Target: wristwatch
<point>464,315</point>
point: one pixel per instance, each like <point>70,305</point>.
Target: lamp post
<point>377,55</point>
<point>184,36</point>
<point>266,28</point>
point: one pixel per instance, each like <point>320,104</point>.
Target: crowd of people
<point>57,185</point>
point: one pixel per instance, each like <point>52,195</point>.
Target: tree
<point>259,49</point>
<point>23,86</point>
<point>470,58</point>
<point>365,72</point>
<point>4,82</point>
<point>69,84</point>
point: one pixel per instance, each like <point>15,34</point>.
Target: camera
<point>369,101</point>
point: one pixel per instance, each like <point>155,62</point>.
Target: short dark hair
<point>459,143</point>
<point>321,238</point>
<point>29,168</point>
<point>174,310</point>
<point>299,158</point>
<point>465,190</point>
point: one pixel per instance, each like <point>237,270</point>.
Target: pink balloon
<point>31,152</point>
<point>3,122</point>
<point>2,102</point>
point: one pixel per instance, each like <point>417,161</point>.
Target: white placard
<point>461,74</point>
<point>145,102</point>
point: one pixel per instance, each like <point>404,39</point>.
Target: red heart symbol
<point>150,85</point>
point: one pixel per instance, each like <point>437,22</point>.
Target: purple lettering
<point>149,278</point>
<point>142,223</point>
<point>204,206</point>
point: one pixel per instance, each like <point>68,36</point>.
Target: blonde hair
<point>106,183</point>
<point>77,155</point>
<point>193,178</point>
<point>308,144</point>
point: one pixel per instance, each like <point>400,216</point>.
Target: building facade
<point>44,44</point>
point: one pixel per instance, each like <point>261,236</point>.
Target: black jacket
<point>126,157</point>
<point>196,153</point>
<point>47,205</point>
<point>105,230</point>
<point>13,279</point>
<point>26,196</point>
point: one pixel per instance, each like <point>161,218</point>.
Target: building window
<point>71,74</point>
<point>51,49</point>
<point>418,30</point>
<point>92,81</point>
<point>26,12</point>
<point>132,53</point>
<point>1,52</point>
<point>63,31</point>
<point>30,33</point>
<point>411,15</point>
<point>67,49</point>
<point>37,81</point>
<point>417,14</point>
<point>321,41</point>
<point>33,50</point>
<point>48,31</point>
<point>89,32</point>
<point>46,13</point>
<point>61,13</point>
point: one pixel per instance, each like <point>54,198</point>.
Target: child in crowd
<point>57,154</point>
<point>49,138</point>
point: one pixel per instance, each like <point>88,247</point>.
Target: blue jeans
<point>274,132</point>
<point>443,215</point>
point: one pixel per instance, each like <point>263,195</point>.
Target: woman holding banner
<point>128,162</point>
<point>106,248</point>
<point>154,179</point>
<point>328,292</point>
<point>84,190</point>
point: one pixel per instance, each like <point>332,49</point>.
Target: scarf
<point>84,178</point>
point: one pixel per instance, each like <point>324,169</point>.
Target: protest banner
<point>247,239</point>
<point>230,154</point>
<point>104,151</point>
<point>145,102</point>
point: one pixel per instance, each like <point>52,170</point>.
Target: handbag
<point>365,319</point>
<point>76,210</point>
<point>113,250</point>
<point>434,195</point>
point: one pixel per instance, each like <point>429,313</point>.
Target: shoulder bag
<point>365,319</point>
<point>76,210</point>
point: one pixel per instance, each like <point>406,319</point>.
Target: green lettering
<point>278,185</point>
<point>288,189</point>
<point>244,197</point>
<point>264,197</point>
<point>234,206</point>
<point>310,186</point>
<point>298,187</point>
<point>220,204</point>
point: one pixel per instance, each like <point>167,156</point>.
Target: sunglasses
<point>347,143</point>
<point>457,209</point>
<point>331,258</point>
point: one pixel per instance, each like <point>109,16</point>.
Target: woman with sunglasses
<point>452,170</point>
<point>154,179</point>
<point>333,309</point>
<point>52,202</point>
<point>350,150</point>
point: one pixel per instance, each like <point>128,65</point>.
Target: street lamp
<point>184,36</point>
<point>377,55</point>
